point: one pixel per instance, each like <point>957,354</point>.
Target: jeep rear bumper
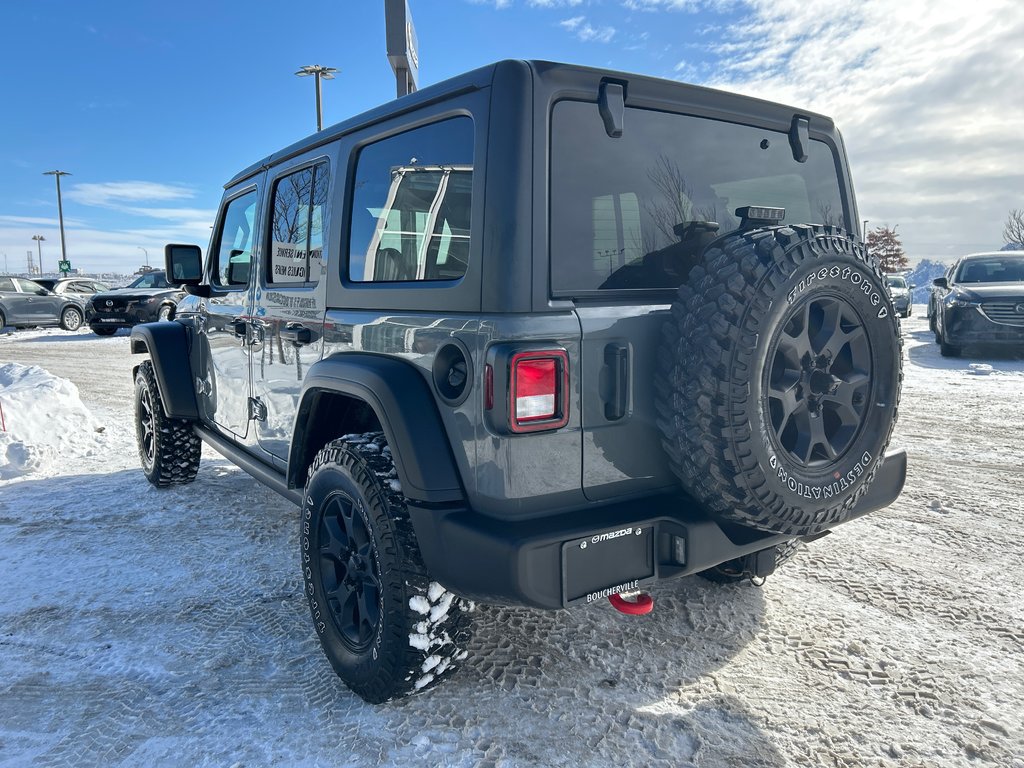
<point>582,556</point>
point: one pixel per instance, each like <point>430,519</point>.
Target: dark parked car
<point>147,299</point>
<point>980,301</point>
<point>82,286</point>
<point>25,303</point>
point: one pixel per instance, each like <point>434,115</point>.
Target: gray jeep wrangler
<point>539,335</point>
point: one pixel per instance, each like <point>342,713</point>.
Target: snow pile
<point>44,422</point>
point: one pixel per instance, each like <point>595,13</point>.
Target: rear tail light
<point>538,390</point>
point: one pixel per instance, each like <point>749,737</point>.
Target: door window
<point>411,206</point>
<point>27,286</point>
<point>297,233</point>
<point>233,253</point>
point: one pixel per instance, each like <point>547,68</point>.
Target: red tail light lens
<point>539,390</point>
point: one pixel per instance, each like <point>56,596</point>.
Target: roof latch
<point>612,104</point>
<point>798,138</point>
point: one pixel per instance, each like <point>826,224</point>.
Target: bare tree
<point>1013,232</point>
<point>884,245</point>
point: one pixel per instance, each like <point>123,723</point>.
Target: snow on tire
<point>780,378</point>
<point>169,449</point>
<point>387,629</point>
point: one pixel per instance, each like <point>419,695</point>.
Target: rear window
<point>633,212</point>
<point>411,205</point>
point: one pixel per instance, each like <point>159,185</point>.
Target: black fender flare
<point>400,398</point>
<point>168,347</point>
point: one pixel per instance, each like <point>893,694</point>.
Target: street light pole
<point>39,242</point>
<point>60,212</point>
<point>145,252</point>
<point>319,71</point>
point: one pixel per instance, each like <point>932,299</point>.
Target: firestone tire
<point>780,377</point>
<point>169,449</point>
<point>386,628</point>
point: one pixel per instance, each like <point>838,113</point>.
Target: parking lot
<point>144,627</point>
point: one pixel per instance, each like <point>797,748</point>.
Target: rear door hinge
<point>257,410</point>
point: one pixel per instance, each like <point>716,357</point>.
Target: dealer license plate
<point>606,563</point>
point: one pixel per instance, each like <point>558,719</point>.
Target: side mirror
<point>912,286</point>
<point>184,264</point>
<point>940,282</point>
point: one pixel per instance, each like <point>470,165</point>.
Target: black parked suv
<point>980,301</point>
<point>148,298</point>
<point>539,335</point>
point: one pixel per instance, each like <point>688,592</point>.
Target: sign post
<point>402,47</point>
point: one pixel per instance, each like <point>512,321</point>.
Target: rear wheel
<point>386,628</point>
<point>169,449</point>
<point>781,372</point>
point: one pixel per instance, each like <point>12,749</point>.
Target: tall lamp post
<point>319,71</point>
<point>60,212</point>
<point>145,252</point>
<point>39,242</point>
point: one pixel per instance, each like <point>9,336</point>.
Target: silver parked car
<point>25,303</point>
<point>82,286</point>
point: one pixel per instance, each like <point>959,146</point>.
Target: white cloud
<point>99,248</point>
<point>554,3</point>
<point>587,33</point>
<point>927,95</point>
<point>114,193</point>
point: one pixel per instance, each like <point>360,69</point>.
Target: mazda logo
<point>1019,309</point>
<point>110,303</point>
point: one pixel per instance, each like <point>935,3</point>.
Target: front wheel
<point>169,449</point>
<point>165,314</point>
<point>101,330</point>
<point>386,628</point>
<point>71,319</point>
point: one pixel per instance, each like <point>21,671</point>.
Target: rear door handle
<point>616,358</point>
<point>296,334</point>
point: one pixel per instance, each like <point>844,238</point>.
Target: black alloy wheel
<point>348,573</point>
<point>819,380</point>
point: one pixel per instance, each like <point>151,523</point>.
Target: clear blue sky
<point>152,106</point>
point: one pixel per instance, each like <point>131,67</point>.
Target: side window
<point>233,253</point>
<point>297,232</point>
<point>411,205</point>
<point>81,288</point>
<point>6,284</point>
<point>27,286</point>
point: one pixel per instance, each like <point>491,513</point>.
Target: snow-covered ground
<point>145,627</point>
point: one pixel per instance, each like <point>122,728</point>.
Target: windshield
<point>896,282</point>
<point>151,280</point>
<point>997,269</point>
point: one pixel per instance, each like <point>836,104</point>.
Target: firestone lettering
<point>853,276</point>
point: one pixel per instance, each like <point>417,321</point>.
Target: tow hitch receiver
<point>632,603</point>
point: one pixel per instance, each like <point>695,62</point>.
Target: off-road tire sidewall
<point>177,449</point>
<point>391,665</point>
<point>833,276</point>
<point>716,356</point>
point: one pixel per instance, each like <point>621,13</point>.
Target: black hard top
<point>669,91</point>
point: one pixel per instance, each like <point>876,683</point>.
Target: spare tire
<point>780,377</point>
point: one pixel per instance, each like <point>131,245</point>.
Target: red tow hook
<point>637,604</point>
